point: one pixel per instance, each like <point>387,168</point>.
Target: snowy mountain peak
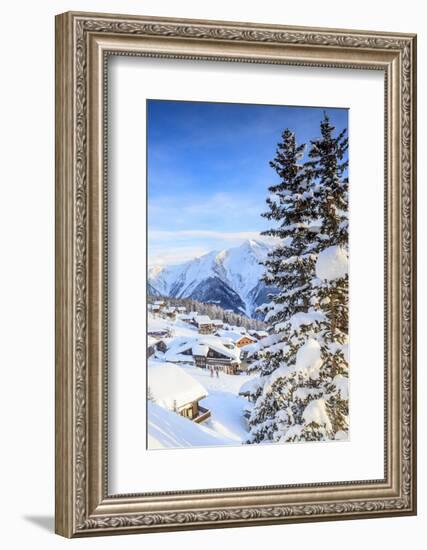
<point>253,244</point>
<point>229,277</point>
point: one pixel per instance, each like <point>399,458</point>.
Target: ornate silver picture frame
<point>84,43</point>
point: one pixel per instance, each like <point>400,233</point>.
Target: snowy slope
<point>224,402</point>
<point>168,430</point>
<point>230,278</point>
<point>226,426</point>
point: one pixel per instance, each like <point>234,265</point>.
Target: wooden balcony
<point>204,414</point>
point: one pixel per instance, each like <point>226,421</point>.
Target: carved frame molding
<point>83,43</point>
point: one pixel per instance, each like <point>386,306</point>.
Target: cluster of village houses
<point>211,344</point>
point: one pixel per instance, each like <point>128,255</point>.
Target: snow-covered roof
<point>184,317</point>
<point>178,358</point>
<point>217,322</point>
<point>252,339</point>
<point>159,331</point>
<point>192,314</point>
<point>200,349</point>
<point>171,387</point>
<point>156,325</point>
<point>234,336</point>
<point>234,328</point>
<point>250,348</point>
<point>219,347</point>
<point>229,335</point>
<point>203,320</point>
<point>261,333</point>
<point>181,344</point>
<point>178,345</point>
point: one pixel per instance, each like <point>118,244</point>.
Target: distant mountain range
<point>230,278</point>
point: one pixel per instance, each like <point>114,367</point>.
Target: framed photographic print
<point>235,274</point>
<point>223,284</point>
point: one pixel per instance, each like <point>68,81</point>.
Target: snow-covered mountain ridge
<point>230,278</point>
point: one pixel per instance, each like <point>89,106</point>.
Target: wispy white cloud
<point>172,256</point>
<point>174,247</point>
<point>197,225</point>
<point>225,211</point>
<point>205,234</point>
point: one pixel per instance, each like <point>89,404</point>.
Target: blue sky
<point>208,171</point>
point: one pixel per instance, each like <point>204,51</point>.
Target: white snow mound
<point>309,358</point>
<point>316,412</point>
<point>332,263</point>
<point>168,430</point>
<point>341,383</point>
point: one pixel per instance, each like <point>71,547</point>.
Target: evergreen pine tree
<point>290,268</point>
<point>328,167</point>
<point>303,364</point>
<point>290,265</point>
